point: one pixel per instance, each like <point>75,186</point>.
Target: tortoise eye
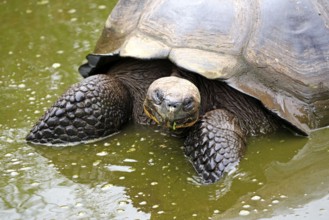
<point>188,104</point>
<point>158,96</point>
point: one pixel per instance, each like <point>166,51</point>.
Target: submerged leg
<point>94,108</point>
<point>215,144</point>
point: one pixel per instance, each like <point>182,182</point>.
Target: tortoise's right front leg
<point>94,108</point>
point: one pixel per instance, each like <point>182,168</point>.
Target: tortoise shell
<point>274,50</point>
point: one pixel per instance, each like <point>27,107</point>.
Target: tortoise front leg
<point>94,108</point>
<point>215,144</point>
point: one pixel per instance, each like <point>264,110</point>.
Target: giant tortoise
<point>211,71</point>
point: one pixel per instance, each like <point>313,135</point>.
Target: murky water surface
<point>139,173</point>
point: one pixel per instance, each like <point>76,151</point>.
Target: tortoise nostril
<point>173,105</point>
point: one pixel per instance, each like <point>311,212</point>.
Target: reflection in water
<point>159,181</point>
<point>148,164</point>
<point>290,185</point>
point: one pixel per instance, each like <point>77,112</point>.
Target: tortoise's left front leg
<point>215,144</point>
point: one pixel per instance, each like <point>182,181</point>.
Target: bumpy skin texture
<point>215,144</point>
<point>88,110</point>
<point>101,104</point>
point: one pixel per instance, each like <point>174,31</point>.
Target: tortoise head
<point>173,102</point>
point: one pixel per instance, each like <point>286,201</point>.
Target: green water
<point>139,173</point>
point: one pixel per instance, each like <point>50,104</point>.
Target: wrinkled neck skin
<point>137,75</point>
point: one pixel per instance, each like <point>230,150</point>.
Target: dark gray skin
<point>102,104</point>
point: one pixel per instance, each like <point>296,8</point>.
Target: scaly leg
<point>94,108</point>
<point>215,144</point>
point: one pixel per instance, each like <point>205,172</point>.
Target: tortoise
<point>213,72</point>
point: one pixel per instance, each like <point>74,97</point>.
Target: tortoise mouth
<point>181,123</point>
<point>171,122</point>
